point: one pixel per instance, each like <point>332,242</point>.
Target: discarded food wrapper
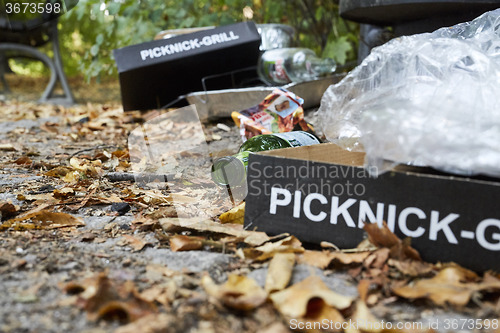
<point>281,111</point>
<point>428,99</point>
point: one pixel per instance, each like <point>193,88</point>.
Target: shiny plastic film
<point>171,162</point>
<point>429,99</point>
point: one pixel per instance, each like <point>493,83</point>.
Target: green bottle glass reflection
<point>231,170</point>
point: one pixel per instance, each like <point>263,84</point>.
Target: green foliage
<point>94,28</point>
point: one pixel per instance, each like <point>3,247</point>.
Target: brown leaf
<point>185,243</point>
<point>43,220</point>
<point>157,293</point>
<point>293,302</point>
<point>63,193</point>
<point>365,320</point>
<point>323,259</point>
<point>117,302</point>
<point>239,292</point>
<point>154,323</point>
<point>7,210</point>
<point>136,243</point>
<point>289,244</point>
<point>59,172</point>
<point>411,267</point>
<point>320,312</point>
<point>24,160</point>
<point>280,271</point>
<point>249,237</point>
<point>377,259</point>
<point>86,167</point>
<point>452,285</point>
<point>383,237</point>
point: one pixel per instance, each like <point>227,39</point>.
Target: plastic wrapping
<point>429,99</point>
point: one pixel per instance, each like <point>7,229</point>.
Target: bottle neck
<point>320,66</point>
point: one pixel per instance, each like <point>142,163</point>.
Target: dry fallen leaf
<point>366,321</point>
<point>323,259</point>
<point>280,271</point>
<point>185,243</point>
<point>250,237</point>
<point>377,259</point>
<point>383,237</point>
<point>159,294</point>
<point>239,292</point>
<point>24,160</point>
<point>289,244</point>
<point>63,193</point>
<point>7,147</point>
<point>236,215</point>
<point>411,267</point>
<point>43,220</point>
<point>154,323</point>
<point>112,301</point>
<point>136,243</point>
<point>59,172</point>
<point>7,210</point>
<point>293,302</point>
<point>453,285</point>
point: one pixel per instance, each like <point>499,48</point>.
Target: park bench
<point>21,38</point>
<point>407,17</point>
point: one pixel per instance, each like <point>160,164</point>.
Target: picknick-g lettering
<point>334,211</point>
<point>187,45</point>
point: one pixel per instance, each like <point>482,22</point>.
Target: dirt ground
<point>83,250</point>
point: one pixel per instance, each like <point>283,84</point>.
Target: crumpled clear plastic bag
<point>428,99</point>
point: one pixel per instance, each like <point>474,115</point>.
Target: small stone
<point>223,127</point>
<point>120,207</point>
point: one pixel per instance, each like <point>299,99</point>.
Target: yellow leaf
<point>72,177</point>
<point>236,215</point>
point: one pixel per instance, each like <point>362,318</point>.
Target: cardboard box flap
<point>327,153</point>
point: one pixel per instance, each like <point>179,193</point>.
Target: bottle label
<point>243,157</point>
<point>280,72</point>
<point>298,139</point>
<point>275,70</point>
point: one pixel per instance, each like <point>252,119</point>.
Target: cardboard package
<point>156,73</point>
<point>321,193</point>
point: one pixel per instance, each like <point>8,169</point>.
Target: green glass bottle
<point>231,170</point>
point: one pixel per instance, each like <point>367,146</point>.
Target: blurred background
<point>92,29</point>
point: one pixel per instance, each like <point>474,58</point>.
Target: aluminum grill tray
<point>220,103</point>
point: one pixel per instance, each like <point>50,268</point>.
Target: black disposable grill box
<point>153,74</point>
